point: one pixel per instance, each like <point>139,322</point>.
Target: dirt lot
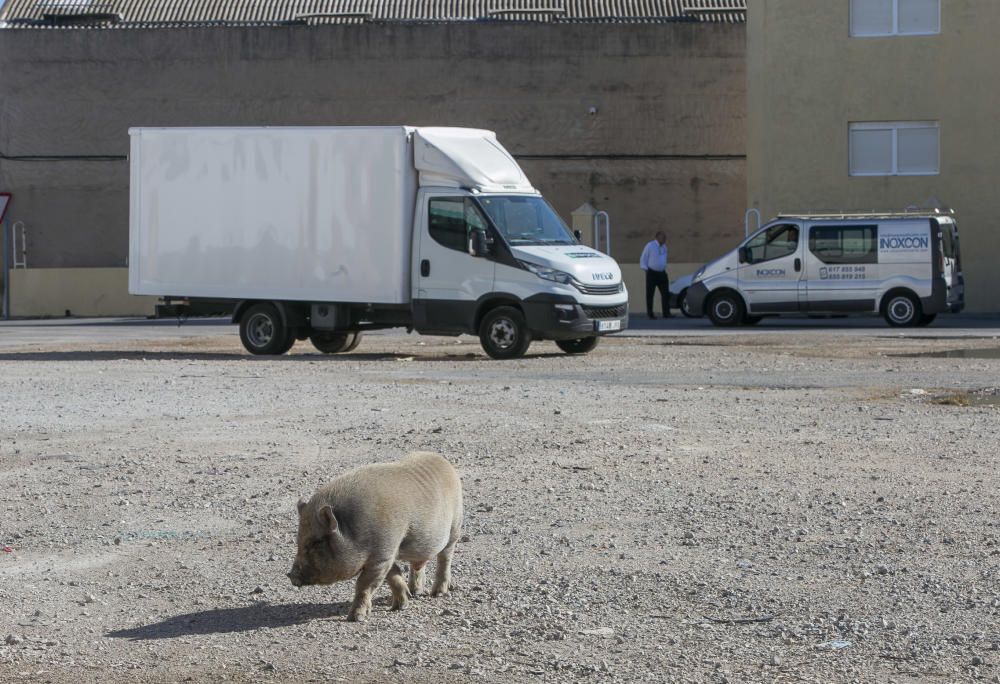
<point>778,509</point>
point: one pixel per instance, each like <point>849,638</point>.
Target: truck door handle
<point>425,268</point>
<point>798,264</point>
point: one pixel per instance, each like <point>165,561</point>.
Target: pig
<point>365,521</point>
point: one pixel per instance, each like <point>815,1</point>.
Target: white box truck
<point>905,266</point>
<point>326,232</point>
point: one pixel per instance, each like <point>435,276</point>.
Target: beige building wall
<point>808,80</point>
<point>75,292</point>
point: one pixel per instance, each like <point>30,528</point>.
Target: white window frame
<point>894,127</point>
<point>895,24</point>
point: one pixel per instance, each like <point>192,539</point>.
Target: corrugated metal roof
<point>152,13</point>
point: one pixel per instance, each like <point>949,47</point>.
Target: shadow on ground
<point>227,620</point>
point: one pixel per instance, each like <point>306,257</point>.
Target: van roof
<point>842,215</point>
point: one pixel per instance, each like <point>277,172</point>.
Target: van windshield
<point>526,220</point>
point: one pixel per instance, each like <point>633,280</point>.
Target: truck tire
<point>262,331</point>
<point>584,345</point>
<point>726,309</point>
<point>354,344</point>
<point>504,333</point>
<point>901,309</point>
<point>330,342</point>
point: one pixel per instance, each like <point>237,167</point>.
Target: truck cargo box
<point>301,214</point>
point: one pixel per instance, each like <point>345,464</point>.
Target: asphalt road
<point>103,331</point>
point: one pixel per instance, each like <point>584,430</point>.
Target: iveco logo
<point>604,276</point>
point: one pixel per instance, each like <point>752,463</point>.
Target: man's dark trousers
<point>657,280</point>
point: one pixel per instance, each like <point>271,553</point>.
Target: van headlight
<point>698,274</point>
<point>546,273</point>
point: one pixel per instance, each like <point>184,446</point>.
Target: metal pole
<point>6,268</point>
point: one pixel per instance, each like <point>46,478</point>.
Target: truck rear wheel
<point>504,333</point>
<point>334,342</point>
<point>901,309</point>
<point>262,331</point>
<point>726,309</point>
<point>583,345</point>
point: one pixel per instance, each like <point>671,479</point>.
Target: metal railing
<point>23,261</point>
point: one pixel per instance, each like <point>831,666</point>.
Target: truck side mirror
<point>578,235</point>
<point>478,246</point>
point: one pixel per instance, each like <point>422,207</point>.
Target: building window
<point>895,18</point>
<point>902,148</point>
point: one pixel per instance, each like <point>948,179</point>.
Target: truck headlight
<point>548,273</point>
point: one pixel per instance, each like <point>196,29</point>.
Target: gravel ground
<point>730,510</point>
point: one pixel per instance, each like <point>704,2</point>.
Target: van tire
<point>683,306</point>
<point>901,309</point>
<point>726,309</point>
<point>330,342</point>
<point>263,332</point>
<point>584,345</point>
<point>504,333</point>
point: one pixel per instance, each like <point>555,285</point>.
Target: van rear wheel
<point>504,333</point>
<point>901,309</point>
<point>726,309</point>
<point>583,345</point>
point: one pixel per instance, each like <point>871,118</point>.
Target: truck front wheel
<point>580,346</point>
<point>504,333</point>
<point>262,331</point>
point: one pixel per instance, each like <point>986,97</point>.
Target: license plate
<point>604,326</point>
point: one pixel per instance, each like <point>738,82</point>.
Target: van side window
<point>777,241</point>
<point>450,220</point>
<point>844,244</point>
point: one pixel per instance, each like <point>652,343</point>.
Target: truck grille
<point>606,311</point>
<point>599,289</point>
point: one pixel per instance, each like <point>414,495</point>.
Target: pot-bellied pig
<point>366,521</point>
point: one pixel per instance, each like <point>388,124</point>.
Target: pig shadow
<point>245,619</point>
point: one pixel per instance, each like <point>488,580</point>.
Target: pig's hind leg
<point>397,585</point>
<point>417,577</point>
<point>442,573</point>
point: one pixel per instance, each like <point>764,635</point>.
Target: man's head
<point>661,237</point>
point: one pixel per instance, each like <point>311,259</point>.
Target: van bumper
<point>561,317</point>
<point>943,299</point>
<point>696,296</point>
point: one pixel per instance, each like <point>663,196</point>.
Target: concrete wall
<point>808,80</point>
<point>665,149</point>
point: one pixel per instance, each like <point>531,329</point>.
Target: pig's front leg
<point>372,576</point>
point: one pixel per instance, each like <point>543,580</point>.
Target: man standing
<point>654,262</point>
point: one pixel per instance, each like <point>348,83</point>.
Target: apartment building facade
<point>879,104</point>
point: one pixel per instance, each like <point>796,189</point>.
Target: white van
<point>903,266</point>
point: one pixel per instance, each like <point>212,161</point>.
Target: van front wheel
<point>504,333</point>
<point>901,309</point>
<point>726,309</point>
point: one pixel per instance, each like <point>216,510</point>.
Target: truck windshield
<point>526,220</point>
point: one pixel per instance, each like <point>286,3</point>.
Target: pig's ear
<point>302,503</point>
<point>327,519</point>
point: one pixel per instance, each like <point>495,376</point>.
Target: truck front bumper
<point>558,317</point>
